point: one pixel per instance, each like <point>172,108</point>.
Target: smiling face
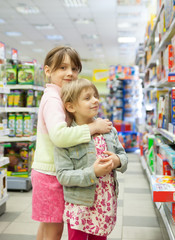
<point>86,107</point>
<point>65,73</point>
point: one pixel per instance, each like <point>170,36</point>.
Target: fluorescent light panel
<point>27,9</point>
<point>26,42</point>
<point>55,37</point>
<point>126,39</point>
<point>44,26</point>
<point>83,20</point>
<point>13,34</point>
<point>75,3</point>
<point>2,21</point>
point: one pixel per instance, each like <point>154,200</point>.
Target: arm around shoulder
<point>120,152</point>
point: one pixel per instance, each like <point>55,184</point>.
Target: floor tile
<point>9,216</point>
<point>116,233</point>
<point>138,211</point>
<point>22,228</point>
<point>143,233</point>
<point>140,221</point>
<point>17,237</point>
<point>137,196</point>
<point>137,190</point>
<point>3,225</point>
<point>137,217</point>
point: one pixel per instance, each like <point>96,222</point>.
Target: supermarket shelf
<point>17,139</point>
<point>22,109</point>
<point>170,136</point>
<point>167,221</point>
<point>170,227</point>
<point>145,167</point>
<point>21,86</point>
<point>165,83</point>
<point>4,90</point>
<point>166,38</point>
<point>155,25</point>
<point>19,183</point>
<point>4,161</point>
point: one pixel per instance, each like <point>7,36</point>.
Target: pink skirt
<point>47,198</point>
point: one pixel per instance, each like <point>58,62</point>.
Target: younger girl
<point>62,65</point>
<point>90,192</point>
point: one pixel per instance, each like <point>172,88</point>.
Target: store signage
<point>2,50</point>
<point>14,54</point>
<point>100,75</point>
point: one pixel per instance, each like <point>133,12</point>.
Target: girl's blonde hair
<point>55,57</point>
<point>70,92</point>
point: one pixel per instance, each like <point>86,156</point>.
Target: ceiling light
<point>24,9</point>
<point>124,25</point>
<point>54,37</point>
<point>26,42</point>
<point>126,39</point>
<point>90,36</point>
<point>38,50</point>
<point>2,21</point>
<point>128,2</point>
<point>44,26</point>
<point>13,34</point>
<point>83,20</point>
<point>75,3</point>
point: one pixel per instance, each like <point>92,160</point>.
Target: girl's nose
<point>95,99</point>
<point>69,71</point>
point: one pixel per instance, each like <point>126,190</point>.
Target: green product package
<point>26,74</point>
<point>11,74</point>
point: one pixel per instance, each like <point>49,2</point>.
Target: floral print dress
<point>99,219</point>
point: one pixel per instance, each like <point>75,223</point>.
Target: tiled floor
<point>137,218</point>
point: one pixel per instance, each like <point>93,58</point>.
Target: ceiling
<point>92,29</point>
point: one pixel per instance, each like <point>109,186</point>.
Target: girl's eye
<point>75,69</point>
<point>62,67</point>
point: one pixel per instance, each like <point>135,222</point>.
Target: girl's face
<point>66,72</point>
<point>87,107</point>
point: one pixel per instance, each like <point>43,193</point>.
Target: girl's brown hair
<point>70,92</point>
<point>55,57</point>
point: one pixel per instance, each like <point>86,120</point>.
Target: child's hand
<point>103,125</point>
<point>100,126</point>
<point>102,168</point>
<point>110,156</point>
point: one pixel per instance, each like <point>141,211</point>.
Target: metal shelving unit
<point>18,183</point>
<point>3,162</point>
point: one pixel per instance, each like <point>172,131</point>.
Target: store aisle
<point>137,217</point>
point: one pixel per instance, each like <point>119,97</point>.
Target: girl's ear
<point>69,107</point>
<point>47,71</point>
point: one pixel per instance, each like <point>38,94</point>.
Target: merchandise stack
<point>158,140</point>
<point>21,85</point>
<point>125,103</point>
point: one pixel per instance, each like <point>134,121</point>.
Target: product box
<point>169,12</point>
<point>173,45</point>
<point>171,77</point>
<point>173,106</point>
<point>26,74</point>
<point>20,158</point>
<point>168,60</point>
<point>168,153</point>
<point>171,207</point>
<point>129,140</point>
<point>11,73</point>
<point>163,188</point>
